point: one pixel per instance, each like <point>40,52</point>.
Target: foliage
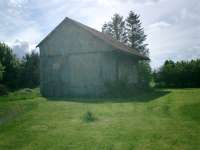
<point>1,71</point>
<point>17,73</point>
<point>178,74</point>
<point>11,66</point>
<point>3,90</point>
<point>30,70</point>
<point>161,121</point>
<point>88,117</point>
<point>135,33</point>
<point>144,74</point>
<point>116,28</point>
<point>136,38</point>
<point>122,88</point>
<point>118,88</point>
<point>22,94</point>
<point>131,33</point>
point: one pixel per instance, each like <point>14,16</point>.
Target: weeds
<point>88,117</point>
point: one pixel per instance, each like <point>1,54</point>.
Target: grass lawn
<point>164,119</point>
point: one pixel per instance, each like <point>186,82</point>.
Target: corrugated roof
<point>106,38</point>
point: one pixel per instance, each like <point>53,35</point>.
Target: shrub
<point>122,88</point>
<point>3,90</point>
<point>119,88</point>
<point>144,75</point>
<point>88,117</point>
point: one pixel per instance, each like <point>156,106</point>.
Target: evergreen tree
<point>135,34</point>
<point>178,74</point>
<point>107,29</point>
<point>136,38</point>
<point>15,73</point>
<point>1,71</point>
<point>30,70</point>
<point>116,28</point>
<point>131,33</point>
<point>11,66</point>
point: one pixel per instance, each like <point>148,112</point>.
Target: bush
<point>88,117</point>
<point>122,88</point>
<point>144,74</point>
<point>3,90</point>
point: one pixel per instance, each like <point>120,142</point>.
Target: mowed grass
<point>163,119</point>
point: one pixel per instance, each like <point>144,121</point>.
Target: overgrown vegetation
<point>178,74</point>
<point>88,117</point>
<point>16,73</point>
<point>124,89</point>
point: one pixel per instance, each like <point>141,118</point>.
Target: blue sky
<point>172,26</point>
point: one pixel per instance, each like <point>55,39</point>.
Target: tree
<point>144,74</point>
<point>178,74</point>
<point>30,70</point>
<point>131,33</point>
<point>135,34</point>
<point>1,71</point>
<point>116,28</point>
<point>135,39</point>
<point>11,66</point>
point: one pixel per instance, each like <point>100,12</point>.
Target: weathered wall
<point>69,39</point>
<point>127,68</point>
<point>73,62</point>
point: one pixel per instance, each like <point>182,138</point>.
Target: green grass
<point>163,119</point>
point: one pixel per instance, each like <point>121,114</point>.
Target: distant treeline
<point>18,73</point>
<point>181,74</point>
<point>24,73</point>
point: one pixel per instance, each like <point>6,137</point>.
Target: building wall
<point>75,63</point>
<point>127,68</point>
<point>70,39</point>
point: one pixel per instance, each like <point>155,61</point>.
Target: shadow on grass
<point>142,97</point>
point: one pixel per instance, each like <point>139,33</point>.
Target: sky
<point>172,26</point>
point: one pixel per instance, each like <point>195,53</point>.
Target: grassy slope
<point>162,120</point>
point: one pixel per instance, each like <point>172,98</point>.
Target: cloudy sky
<point>172,26</point>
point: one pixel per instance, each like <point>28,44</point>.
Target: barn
<point>76,60</point>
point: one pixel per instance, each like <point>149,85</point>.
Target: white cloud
<point>159,25</point>
<point>172,26</point>
<point>29,34</point>
<point>20,48</point>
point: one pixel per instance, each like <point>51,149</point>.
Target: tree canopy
<point>116,28</point>
<point>16,73</point>
<point>131,33</point>
<point>135,33</point>
<point>11,66</point>
<point>178,74</point>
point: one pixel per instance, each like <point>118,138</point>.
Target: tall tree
<point>136,36</point>
<point>11,64</point>
<point>30,70</point>
<point>1,71</point>
<point>136,40</point>
<point>116,28</point>
<point>178,74</point>
<point>131,33</point>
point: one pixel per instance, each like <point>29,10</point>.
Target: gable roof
<point>106,38</point>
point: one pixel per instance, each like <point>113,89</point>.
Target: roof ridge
<point>109,39</point>
<point>106,38</point>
